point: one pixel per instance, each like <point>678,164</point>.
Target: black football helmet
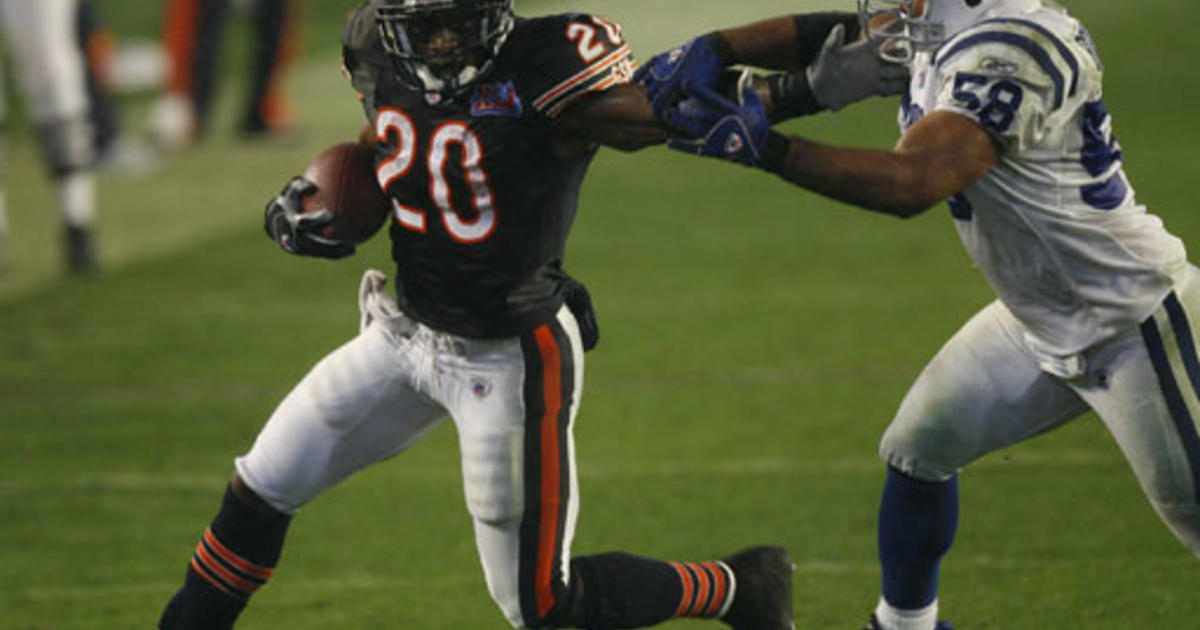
<point>441,47</point>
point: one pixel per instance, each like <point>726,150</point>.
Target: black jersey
<point>482,205</point>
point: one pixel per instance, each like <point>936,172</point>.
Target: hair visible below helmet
<point>441,47</point>
<point>906,27</point>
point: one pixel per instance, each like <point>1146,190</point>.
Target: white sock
<point>891,618</point>
<point>77,198</point>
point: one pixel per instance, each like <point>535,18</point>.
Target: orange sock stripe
<point>249,568</point>
<point>720,589</point>
<point>211,580</point>
<point>685,579</point>
<point>234,582</point>
<point>702,591</point>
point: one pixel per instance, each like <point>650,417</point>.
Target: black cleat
<point>80,250</point>
<point>763,596</point>
<point>873,624</point>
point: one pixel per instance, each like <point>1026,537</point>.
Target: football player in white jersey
<point>1097,307</point>
<point>40,36</point>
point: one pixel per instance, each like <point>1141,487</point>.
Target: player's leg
<point>193,36</point>
<point>275,29</point>
<point>1145,386</point>
<point>50,70</point>
<point>358,406</point>
<point>515,410</point>
<point>981,392</point>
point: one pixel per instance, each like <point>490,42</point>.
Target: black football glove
<point>295,231</point>
<point>580,303</point>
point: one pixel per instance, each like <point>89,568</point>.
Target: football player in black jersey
<point>483,125</point>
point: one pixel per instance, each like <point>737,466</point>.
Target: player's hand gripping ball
<point>336,205</point>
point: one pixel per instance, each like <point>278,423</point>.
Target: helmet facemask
<point>902,28</point>
<point>442,47</point>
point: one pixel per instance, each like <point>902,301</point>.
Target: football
<point>346,186</point>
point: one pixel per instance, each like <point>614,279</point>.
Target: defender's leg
<point>1146,388</point>
<point>982,392</point>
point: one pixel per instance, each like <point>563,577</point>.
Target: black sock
<point>235,557</point>
<point>621,590</point>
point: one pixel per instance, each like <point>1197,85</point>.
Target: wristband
<point>718,44</point>
<point>774,152</point>
<point>792,96</point>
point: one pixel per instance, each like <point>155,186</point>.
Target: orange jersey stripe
<point>685,579</point>
<point>600,66</point>
<point>551,466</point>
<point>232,558</point>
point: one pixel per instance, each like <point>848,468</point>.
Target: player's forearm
<point>620,118</point>
<point>886,182</point>
<point>787,43</point>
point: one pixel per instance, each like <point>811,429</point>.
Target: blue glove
<point>739,132</point>
<point>698,63</point>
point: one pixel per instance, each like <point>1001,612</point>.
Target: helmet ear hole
<point>973,3</point>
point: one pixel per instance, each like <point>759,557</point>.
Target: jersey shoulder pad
<point>1018,50</point>
<point>557,59</point>
<point>363,57</point>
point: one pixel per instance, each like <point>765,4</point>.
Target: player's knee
<point>924,451</point>
<point>67,144</point>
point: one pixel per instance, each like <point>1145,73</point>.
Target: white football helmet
<point>906,27</point>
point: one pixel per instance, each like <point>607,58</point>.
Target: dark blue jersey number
<point>998,111</point>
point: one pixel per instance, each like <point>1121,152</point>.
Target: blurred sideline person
<point>194,38</point>
<point>49,67</point>
<point>1097,309</point>
<point>483,125</point>
<point>115,150</point>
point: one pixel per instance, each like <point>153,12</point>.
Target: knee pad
<point>68,145</point>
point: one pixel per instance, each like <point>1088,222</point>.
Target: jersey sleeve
<point>576,54</point>
<point>1010,78</point>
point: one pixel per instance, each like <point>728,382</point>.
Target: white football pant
<point>513,402</point>
<point>985,391</point>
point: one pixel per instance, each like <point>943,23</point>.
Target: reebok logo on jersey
<point>993,65</point>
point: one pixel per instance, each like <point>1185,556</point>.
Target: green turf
<point>756,340</point>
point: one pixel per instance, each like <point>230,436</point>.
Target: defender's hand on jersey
<point>697,63</point>
<point>294,230</point>
<point>846,73</point>
<point>739,132</point>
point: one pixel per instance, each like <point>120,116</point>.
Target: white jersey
<point>1054,225</point>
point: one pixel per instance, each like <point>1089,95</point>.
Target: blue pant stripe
<point>1174,398</point>
<point>1187,344</point>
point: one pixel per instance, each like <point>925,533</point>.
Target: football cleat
<point>763,596</point>
<point>873,624</point>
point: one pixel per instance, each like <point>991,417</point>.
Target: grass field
<point>756,340</point>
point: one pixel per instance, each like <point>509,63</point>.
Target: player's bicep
<point>619,117</point>
<point>949,152</point>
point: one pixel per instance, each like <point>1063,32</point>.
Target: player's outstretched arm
<point>619,117</point>
<point>936,158</point>
<point>827,64</point>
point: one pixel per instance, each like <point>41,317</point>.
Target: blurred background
<point>756,340</point>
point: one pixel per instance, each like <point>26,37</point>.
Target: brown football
<point>346,185</point>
